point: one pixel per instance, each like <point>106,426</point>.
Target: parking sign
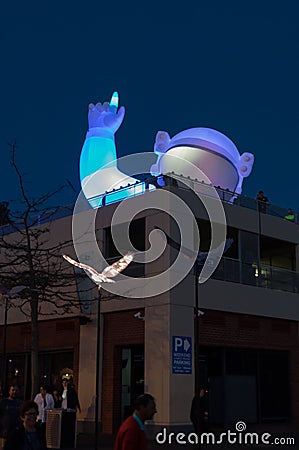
<point>182,355</point>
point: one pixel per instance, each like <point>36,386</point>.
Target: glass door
<point>132,379</point>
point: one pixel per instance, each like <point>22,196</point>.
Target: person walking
<point>28,436</point>
<point>131,434</point>
<point>9,414</point>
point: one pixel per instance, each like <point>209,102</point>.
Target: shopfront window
<point>51,365</point>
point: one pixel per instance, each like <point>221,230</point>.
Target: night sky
<point>230,65</point>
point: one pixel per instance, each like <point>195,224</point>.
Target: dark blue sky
<point>228,65</point>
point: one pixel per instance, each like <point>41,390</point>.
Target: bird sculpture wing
<point>89,269</point>
<point>108,272</point>
<point>118,266</point>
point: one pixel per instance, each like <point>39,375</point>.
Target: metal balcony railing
<point>268,277</point>
<point>143,187</point>
<point>181,182</point>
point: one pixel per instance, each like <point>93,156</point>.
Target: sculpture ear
<point>245,164</point>
<point>161,142</point>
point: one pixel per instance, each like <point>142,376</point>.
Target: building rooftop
<point>153,182</point>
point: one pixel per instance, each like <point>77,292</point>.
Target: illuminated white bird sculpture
<point>108,273</point>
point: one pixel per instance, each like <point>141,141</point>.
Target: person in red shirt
<point>131,434</point>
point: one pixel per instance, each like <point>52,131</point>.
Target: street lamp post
<point>97,399</point>
<point>259,232</point>
<point>4,362</point>
<point>196,329</point>
<point>99,278</point>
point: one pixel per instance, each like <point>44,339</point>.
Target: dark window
<point>51,364</point>
<point>213,359</point>
<point>267,372</point>
<point>277,253</point>
<point>248,247</point>
<point>274,385</point>
<point>136,237</point>
<point>17,372</point>
<point>241,362</point>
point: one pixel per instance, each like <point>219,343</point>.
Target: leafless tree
<point>4,213</point>
<point>30,256</point>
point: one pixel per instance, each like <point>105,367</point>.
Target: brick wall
<point>52,334</point>
<point>58,334</point>
<point>241,330</point>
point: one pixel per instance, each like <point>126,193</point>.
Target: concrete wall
<point>239,298</point>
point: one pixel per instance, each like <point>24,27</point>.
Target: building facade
<point>241,324</point>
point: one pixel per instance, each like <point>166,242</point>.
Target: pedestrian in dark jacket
<point>199,413</point>
<point>29,435</point>
<point>9,412</point>
<point>57,398</point>
<point>262,201</point>
<point>69,396</point>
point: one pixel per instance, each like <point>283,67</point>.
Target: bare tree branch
<point>29,256</point>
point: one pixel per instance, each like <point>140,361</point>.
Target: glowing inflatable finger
<point>114,100</point>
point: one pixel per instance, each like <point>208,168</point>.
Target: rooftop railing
<point>182,182</point>
<point>143,187</point>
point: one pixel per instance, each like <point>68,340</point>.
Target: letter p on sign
<point>178,342</point>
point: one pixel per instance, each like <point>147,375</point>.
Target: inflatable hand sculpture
<point>104,120</point>
<point>98,161</point>
<point>214,154</point>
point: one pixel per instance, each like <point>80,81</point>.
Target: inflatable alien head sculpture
<point>209,150</point>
